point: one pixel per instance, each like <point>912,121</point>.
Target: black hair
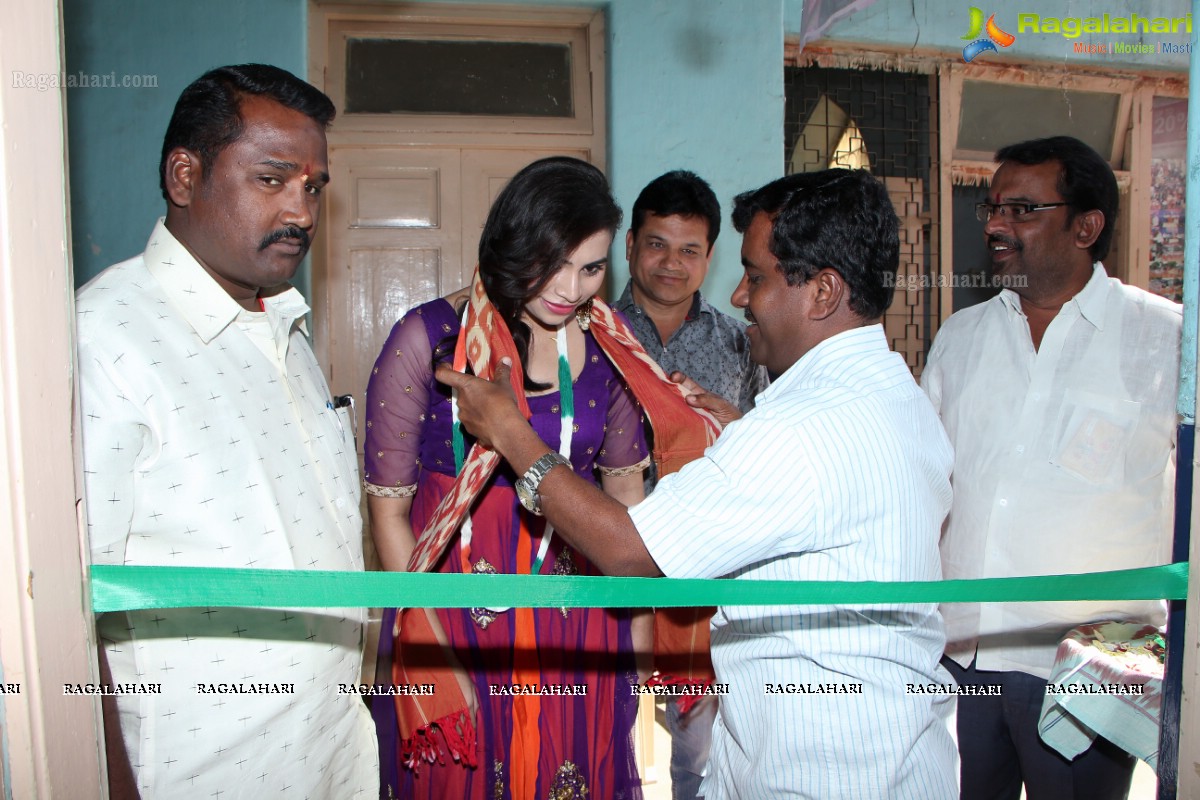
<point>678,193</point>
<point>1085,180</point>
<point>207,116</point>
<point>545,212</point>
<point>837,218</point>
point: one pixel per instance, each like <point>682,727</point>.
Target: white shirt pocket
<point>1095,436</point>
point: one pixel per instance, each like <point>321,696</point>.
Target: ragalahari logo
<point>994,37</point>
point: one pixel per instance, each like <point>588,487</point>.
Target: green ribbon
<point>122,588</point>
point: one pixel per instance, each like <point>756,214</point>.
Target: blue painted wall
<point>115,135</point>
<point>697,85</point>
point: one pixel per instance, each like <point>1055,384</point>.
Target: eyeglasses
<point>1017,212</point>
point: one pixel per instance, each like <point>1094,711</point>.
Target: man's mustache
<point>290,232</point>
<point>996,238</point>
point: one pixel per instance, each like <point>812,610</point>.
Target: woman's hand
<point>458,299</point>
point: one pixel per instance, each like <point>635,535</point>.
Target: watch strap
<point>532,479</point>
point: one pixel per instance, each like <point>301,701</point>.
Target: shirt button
<point>340,502</point>
<point>1003,502</point>
<point>1035,396</point>
<point>1020,449</point>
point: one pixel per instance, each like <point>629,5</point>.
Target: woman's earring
<point>583,315</point>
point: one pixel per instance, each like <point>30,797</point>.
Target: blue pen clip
<point>346,401</point>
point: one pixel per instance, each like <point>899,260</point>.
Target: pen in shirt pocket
<point>345,401</point>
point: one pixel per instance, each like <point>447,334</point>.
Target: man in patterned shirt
<point>669,246</point>
<point>210,439</point>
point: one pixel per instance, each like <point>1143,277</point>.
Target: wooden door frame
<point>469,131</point>
<point>51,742</point>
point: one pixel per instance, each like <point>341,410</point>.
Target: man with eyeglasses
<point>1059,398</point>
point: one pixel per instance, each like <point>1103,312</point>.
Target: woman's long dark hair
<point>545,212</point>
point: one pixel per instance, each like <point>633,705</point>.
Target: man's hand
<point>487,409</point>
<point>596,525</point>
<point>699,397</point>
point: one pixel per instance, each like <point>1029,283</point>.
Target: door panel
<point>394,242</point>
<point>484,173</point>
<point>403,229</point>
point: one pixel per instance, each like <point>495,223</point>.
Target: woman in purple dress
<point>542,256</point>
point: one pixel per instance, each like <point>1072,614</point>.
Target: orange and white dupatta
<point>433,725</point>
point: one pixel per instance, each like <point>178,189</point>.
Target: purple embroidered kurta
<point>585,739</point>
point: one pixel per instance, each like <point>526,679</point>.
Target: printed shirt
<point>209,440</point>
<point>710,347</point>
<point>1064,459</point>
<point>841,472</point>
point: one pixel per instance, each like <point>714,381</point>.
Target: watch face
<point>526,495</point>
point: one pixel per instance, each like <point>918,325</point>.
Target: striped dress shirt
<point>841,472</point>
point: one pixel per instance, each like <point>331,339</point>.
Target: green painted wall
<point>115,134</point>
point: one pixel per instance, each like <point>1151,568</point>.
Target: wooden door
<point>393,241</point>
<point>413,177</point>
<point>404,229</point>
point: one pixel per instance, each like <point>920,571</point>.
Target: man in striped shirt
<point>841,472</point>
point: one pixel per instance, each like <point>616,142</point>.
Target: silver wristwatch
<point>527,485</point>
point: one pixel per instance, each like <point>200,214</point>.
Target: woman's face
<point>576,282</point>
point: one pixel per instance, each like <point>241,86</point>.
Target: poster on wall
<point>1168,184</point>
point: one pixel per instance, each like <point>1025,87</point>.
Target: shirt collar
<point>627,305</point>
<point>1092,299</point>
<point>200,300</point>
<point>625,302</point>
<point>829,355</point>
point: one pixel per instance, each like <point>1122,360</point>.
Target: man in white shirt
<point>669,246</point>
<point>1059,398</point>
<point>210,439</point>
<point>841,472</point>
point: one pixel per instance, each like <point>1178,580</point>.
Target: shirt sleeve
<point>397,402</point>
<point>624,436</point>
<point>750,498</point>
<point>114,435</point>
<point>931,376</point>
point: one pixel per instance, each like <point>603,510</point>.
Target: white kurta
<point>841,472</point>
<point>1064,459</point>
<point>209,440</point>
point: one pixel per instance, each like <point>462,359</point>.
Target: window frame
<point>1130,155</point>
<point>578,29</point>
